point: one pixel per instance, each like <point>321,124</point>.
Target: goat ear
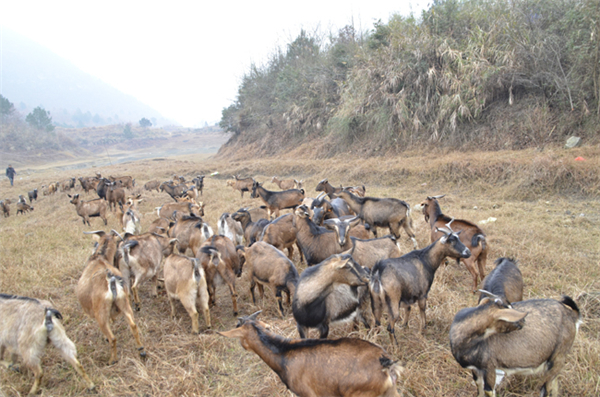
<point>233,333</point>
<point>510,316</point>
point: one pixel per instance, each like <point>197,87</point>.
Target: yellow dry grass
<point>548,217</point>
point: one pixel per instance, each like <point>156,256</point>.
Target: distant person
<point>10,173</point>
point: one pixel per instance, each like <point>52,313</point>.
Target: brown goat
<point>219,255</point>
<point>281,234</point>
<point>472,236</point>
<point>325,186</point>
<point>398,283</point>
<point>123,181</point>
<point>67,184</point>
<point>23,208</point>
<point>368,252</point>
<point>185,280</point>
<point>89,209</point>
<point>140,259</point>
<point>243,185</point>
<point>101,292</point>
<point>185,208</point>
<point>191,232</point>
<point>348,367</point>
<point>115,195</point>
<point>5,208</point>
<point>276,201</point>
<point>27,326</point>
<point>160,225</point>
<point>284,184</point>
<point>529,337</point>
<point>269,266</point>
<point>382,212</point>
<point>89,183</point>
<point>152,185</point>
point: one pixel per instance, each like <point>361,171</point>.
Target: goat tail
<point>479,238</point>
<point>567,301</point>
<point>115,284</point>
<point>392,368</point>
<point>375,281</point>
<point>197,274</point>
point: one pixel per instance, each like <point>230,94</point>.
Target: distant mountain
<point>32,75</point>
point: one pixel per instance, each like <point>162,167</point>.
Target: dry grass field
<point>548,218</point>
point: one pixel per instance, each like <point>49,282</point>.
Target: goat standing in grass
<point>529,337</point>
<point>346,367</point>
<point>101,291</point>
<point>27,326</point>
<point>276,201</point>
<point>472,237</point>
<point>382,212</point>
<point>400,282</point>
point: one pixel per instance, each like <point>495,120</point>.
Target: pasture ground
<point>548,218</point>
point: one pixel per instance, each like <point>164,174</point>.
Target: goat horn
<point>115,233</point>
<point>495,297</point>
<point>449,223</point>
<point>98,232</point>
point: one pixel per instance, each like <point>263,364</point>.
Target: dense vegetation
<point>484,73</point>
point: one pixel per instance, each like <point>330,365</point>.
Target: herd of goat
<point>351,274</point>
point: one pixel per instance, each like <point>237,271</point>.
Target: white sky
<point>183,58</point>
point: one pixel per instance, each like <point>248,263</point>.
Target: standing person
<point>10,173</point>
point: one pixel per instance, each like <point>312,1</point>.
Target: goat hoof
<point>235,314</point>
<point>142,352</point>
<point>114,362</point>
<point>14,368</point>
<point>137,308</point>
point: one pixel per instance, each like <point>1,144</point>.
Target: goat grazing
<point>185,208</point>
<point>276,201</point>
<point>173,190</point>
<point>140,259</point>
<point>530,337</point>
<point>243,185</point>
<point>89,209</point>
<point>382,212</point>
<point>185,280</point>
<point>101,292</point>
<point>346,367</point>
<point>472,236</point>
<point>27,326</point>
<point>23,207</point>
<point>326,293</point>
<point>505,281</point>
<point>152,185</point>
<point>400,282</point>
<point>269,266</point>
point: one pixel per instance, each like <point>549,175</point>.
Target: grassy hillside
<point>465,74</point>
<point>547,208</point>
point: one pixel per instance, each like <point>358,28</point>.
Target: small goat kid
<point>27,326</point>
<point>347,367</point>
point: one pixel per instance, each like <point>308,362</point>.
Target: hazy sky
<point>183,58</point>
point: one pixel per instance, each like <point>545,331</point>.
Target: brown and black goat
<point>382,212</point>
<point>346,367</point>
<point>276,201</point>
<point>185,208</point>
<point>329,292</point>
<point>241,184</point>
<point>398,283</point>
<point>251,229</point>
<point>269,266</point>
<point>284,184</point>
<point>185,280</point>
<point>529,337</point>
<point>219,256</point>
<point>89,209</point>
<point>102,293</point>
<point>33,195</point>
<point>140,259</point>
<point>325,186</point>
<point>23,208</point>
<point>191,232</point>
<point>173,190</point>
<point>319,243</point>
<point>505,281</point>
<point>27,326</point>
<point>5,208</point>
<point>472,236</point>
